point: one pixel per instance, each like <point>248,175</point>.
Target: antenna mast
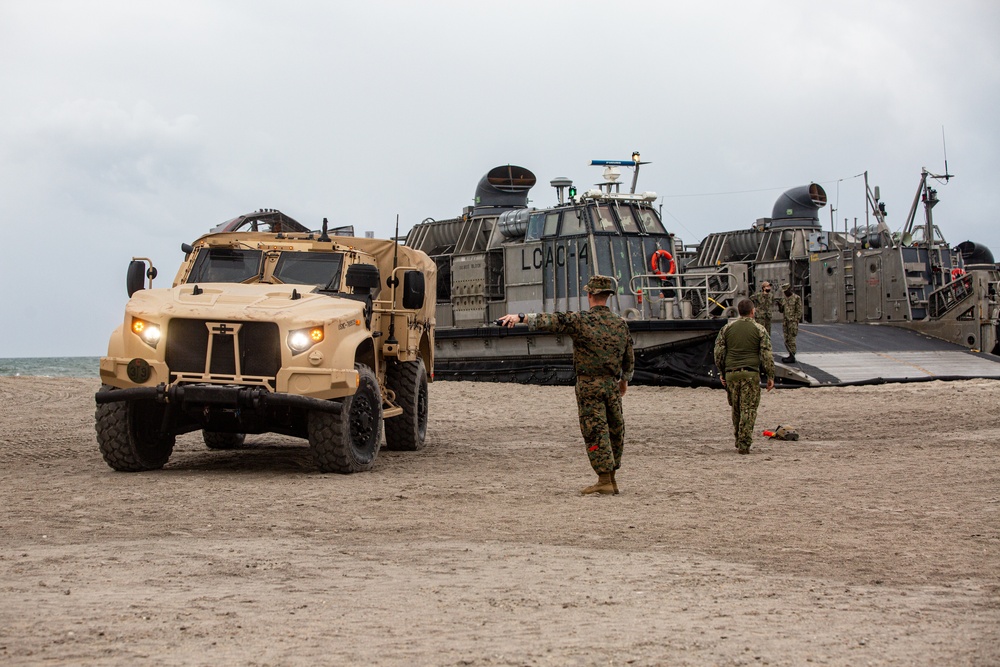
<point>944,148</point>
<point>392,281</point>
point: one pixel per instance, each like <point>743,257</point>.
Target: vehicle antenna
<point>392,281</point>
<point>944,148</point>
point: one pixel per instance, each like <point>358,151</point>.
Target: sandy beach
<point>873,540</point>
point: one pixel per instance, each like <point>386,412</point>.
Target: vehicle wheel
<point>219,440</point>
<point>349,441</point>
<point>128,435</point>
<point>407,431</point>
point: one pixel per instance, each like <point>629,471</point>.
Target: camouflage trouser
<point>601,421</point>
<point>791,330</point>
<point>743,390</point>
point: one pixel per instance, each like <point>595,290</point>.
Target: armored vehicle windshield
<point>245,265</point>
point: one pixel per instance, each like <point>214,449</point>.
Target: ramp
<point>851,354</point>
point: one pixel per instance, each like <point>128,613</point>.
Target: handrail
<point>949,296</point>
<point>653,286</point>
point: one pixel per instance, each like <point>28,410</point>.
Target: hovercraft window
<point>225,265</point>
<point>535,225</point>
<point>651,222</point>
<point>604,221</point>
<point>551,224</point>
<point>625,217</point>
<point>574,222</point>
<point>310,268</point>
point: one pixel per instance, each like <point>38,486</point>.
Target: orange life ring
<point>654,263</point>
<point>956,272</point>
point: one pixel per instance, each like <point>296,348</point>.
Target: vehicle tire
<point>407,431</point>
<point>128,435</point>
<point>349,441</point>
<point>219,440</point>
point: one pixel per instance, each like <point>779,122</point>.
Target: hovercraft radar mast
<point>611,176</point>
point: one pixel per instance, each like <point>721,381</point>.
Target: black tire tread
<point>117,445</point>
<point>407,379</point>
<point>221,440</point>
<point>330,433</point>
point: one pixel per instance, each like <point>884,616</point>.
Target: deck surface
<point>842,354</point>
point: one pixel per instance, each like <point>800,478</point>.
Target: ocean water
<point>70,367</point>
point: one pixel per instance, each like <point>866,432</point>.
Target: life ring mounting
<point>654,263</point>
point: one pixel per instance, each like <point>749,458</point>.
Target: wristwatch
<point>520,317</point>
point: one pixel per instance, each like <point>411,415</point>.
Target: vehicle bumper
<point>316,383</point>
<point>221,396</point>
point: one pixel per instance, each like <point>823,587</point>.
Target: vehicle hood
<point>292,304</point>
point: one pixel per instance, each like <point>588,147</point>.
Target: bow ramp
<point>855,354</point>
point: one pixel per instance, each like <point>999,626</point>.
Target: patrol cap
<point>599,285</point>
<point>786,287</point>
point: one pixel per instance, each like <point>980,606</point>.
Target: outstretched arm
<point>511,320</point>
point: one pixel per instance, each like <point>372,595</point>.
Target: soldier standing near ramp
<point>742,350</point>
<point>763,302</point>
<point>604,362</point>
<point>791,308</point>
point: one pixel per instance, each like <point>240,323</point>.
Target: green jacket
<point>602,345</point>
<point>744,343</point>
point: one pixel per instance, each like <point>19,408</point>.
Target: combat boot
<point>790,359</point>
<point>603,486</point>
<point>614,484</point>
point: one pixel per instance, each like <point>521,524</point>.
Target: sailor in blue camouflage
<point>604,362</point>
<point>742,351</point>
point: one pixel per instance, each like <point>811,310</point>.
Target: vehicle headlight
<point>301,340</point>
<point>147,331</point>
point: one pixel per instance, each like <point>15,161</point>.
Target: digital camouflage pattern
<point>599,285</point>
<point>602,345</point>
<point>602,354</point>
<point>601,422</point>
<point>763,302</point>
<point>791,307</point>
<point>743,344</point>
<point>743,392</point>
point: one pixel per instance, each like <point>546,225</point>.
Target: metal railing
<point>948,297</point>
<point>684,296</point>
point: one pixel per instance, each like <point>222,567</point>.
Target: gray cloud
<point>137,127</point>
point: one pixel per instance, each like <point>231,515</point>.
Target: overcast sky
<point>130,127</point>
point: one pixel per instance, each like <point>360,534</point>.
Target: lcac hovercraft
<point>500,256</point>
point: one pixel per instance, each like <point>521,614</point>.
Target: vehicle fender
<point>116,344</point>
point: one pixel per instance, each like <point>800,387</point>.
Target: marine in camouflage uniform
<point>604,363</point>
<point>791,308</point>
<point>742,351</point>
<point>763,302</point>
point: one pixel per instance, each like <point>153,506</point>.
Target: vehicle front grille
<point>223,351</point>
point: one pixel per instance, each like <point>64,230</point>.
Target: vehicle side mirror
<point>413,290</point>
<point>135,279</point>
<point>187,249</point>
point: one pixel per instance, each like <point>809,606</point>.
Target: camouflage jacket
<point>791,306</point>
<point>763,302</point>
<point>744,343</point>
<point>602,345</point>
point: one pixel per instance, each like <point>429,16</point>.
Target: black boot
<point>790,359</point>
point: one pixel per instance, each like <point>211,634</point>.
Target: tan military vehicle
<point>274,329</point>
